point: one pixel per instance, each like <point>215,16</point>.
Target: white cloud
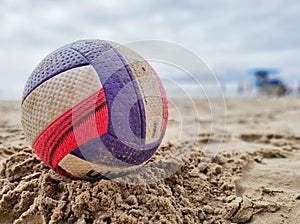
<point>230,35</point>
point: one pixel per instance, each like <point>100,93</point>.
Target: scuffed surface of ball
<point>94,108</point>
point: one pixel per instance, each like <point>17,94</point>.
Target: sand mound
<point>255,178</point>
<point>31,193</point>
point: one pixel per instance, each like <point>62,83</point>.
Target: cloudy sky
<point>231,36</point>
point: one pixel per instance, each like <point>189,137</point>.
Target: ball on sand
<point>94,109</point>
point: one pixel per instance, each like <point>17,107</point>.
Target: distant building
<point>240,88</point>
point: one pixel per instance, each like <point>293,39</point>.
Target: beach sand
<point>254,178</point>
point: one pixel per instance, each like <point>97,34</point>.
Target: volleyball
<point>94,109</point>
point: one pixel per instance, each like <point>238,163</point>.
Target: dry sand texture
<point>255,177</point>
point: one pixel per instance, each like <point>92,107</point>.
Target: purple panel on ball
<point>59,61</point>
<point>132,123</point>
<point>107,150</point>
<point>126,152</point>
<point>127,118</point>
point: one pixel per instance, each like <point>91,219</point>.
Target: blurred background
<point>252,46</point>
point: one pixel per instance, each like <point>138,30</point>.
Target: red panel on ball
<point>87,120</point>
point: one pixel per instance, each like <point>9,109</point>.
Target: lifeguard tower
<point>267,85</point>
